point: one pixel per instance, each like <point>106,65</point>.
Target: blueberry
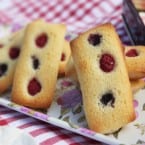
<point>3,69</point>
<point>108,99</point>
<point>35,62</point>
<point>94,39</point>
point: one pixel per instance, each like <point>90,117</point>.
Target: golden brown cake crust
<point>95,83</point>
<point>46,73</point>
<point>136,85</point>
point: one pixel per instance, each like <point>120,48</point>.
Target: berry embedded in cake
<point>94,39</point>
<point>131,53</point>
<point>63,56</point>
<point>3,69</point>
<point>41,40</point>
<point>107,62</point>
<point>14,52</point>
<point>35,62</point>
<point>34,87</point>
<point>108,99</point>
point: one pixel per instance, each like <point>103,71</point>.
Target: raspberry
<point>1,45</point>
<point>62,57</point>
<point>131,53</point>
<point>108,99</point>
<point>3,69</point>
<point>14,52</point>
<point>107,62</point>
<point>94,39</point>
<point>35,62</point>
<point>34,87</point>
<point>41,40</point>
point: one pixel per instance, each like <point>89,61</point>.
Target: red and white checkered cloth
<point>78,15</point>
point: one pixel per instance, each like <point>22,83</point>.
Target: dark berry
<point>41,40</point>
<point>35,62</point>
<point>107,62</point>
<point>131,53</point>
<point>3,69</point>
<point>34,87</point>
<point>1,45</point>
<point>94,39</point>
<point>62,57</point>
<point>14,52</point>
<point>108,99</point>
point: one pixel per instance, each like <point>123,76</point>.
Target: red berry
<point>131,53</point>
<point>41,40</point>
<point>1,45</point>
<point>14,52</point>
<point>34,87</point>
<point>62,57</point>
<point>107,62</point>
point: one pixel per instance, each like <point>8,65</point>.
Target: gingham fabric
<point>78,15</point>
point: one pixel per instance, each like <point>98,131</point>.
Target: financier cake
<point>9,51</point>
<point>36,71</point>
<point>100,66</point>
